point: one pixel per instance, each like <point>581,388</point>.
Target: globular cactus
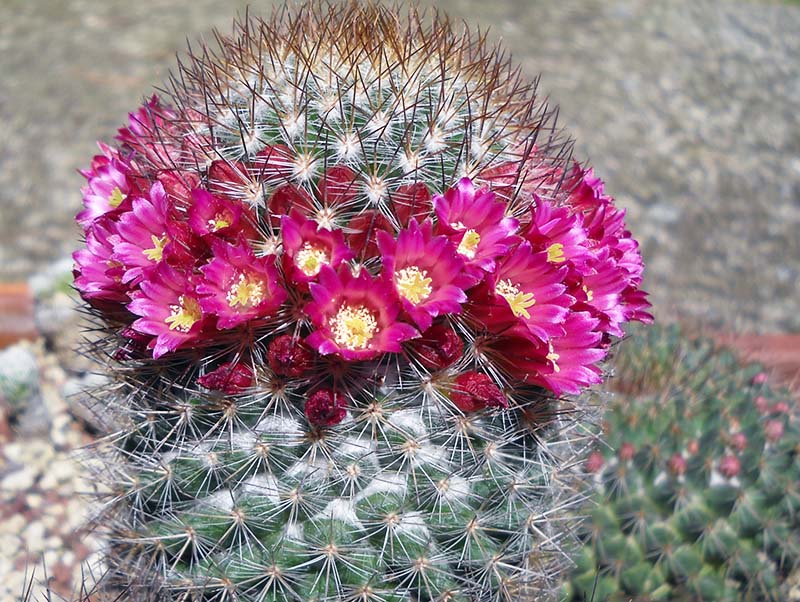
<point>344,269</point>
<point>698,488</point>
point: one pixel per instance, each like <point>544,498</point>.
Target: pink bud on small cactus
<point>693,447</point>
<point>760,378</point>
<point>677,464</point>
<point>325,408</point>
<point>626,452</point>
<point>729,466</point>
<point>739,441</point>
<point>229,378</point>
<point>594,463</point>
<point>474,391</point>
<point>780,408</point>
<point>773,430</point>
<point>762,405</point>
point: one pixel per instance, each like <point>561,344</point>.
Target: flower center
<point>589,293</point>
<point>310,259</point>
<point>245,292</point>
<point>469,244</point>
<point>413,284</point>
<point>553,357</point>
<point>518,301</point>
<point>353,327</point>
<point>157,252</point>
<point>220,221</point>
<point>184,315</point>
<point>555,253</point>
<point>116,197</point>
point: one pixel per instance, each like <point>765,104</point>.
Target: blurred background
<point>687,109</point>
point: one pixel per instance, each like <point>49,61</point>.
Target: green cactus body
<point>699,500</point>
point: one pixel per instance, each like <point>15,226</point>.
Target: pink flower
<point>325,408</point>
<point>143,235</point>
<point>599,293</point>
<point>97,275</point>
<point>308,247</point>
<point>473,391</point>
<point>169,309</point>
<point>476,224</point>
<point>238,286</point>
<point>525,296</point>
<point>229,378</point>
<point>564,364</point>
<point>289,356</point>
<point>437,348</point>
<point>146,133</point>
<point>110,186</point>
<point>425,271</point>
<point>558,232</point>
<point>211,215</point>
<point>355,316</point>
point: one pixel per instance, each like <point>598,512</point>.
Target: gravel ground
<point>687,108</point>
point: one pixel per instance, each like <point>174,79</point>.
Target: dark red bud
<point>364,227</point>
<point>438,347</point>
<point>288,356</point>
<point>474,391</point>
<point>325,408</point>
<point>729,466</point>
<point>229,378</point>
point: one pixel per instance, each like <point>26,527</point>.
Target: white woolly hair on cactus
<point>345,269</point>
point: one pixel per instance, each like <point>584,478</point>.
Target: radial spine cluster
<point>346,266</point>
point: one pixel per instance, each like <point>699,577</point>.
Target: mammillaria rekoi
<point>346,258</point>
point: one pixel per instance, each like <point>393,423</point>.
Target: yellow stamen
<point>219,222</point>
<point>157,252</point>
<point>555,253</point>
<point>311,259</point>
<point>518,301</point>
<point>184,315</point>
<point>116,197</point>
<point>244,292</point>
<point>413,284</point>
<point>469,244</point>
<point>353,327</point>
<point>589,293</point>
<point>553,357</point>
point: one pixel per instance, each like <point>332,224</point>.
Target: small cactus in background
<point>19,377</point>
<point>698,486</point>
<point>345,267</point>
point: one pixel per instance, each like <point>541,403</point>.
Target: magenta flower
<point>308,247</point>
<point>525,296</point>
<point>169,309</point>
<point>425,271</point>
<point>599,293</point>
<point>219,216</point>
<point>563,364</point>
<point>476,224</point>
<point>110,186</point>
<point>143,235</point>
<point>355,316</point>
<point>558,232</point>
<point>238,286</point>
<point>97,275</point>
<point>146,133</point>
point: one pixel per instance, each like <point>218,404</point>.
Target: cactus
<point>698,488</point>
<point>19,377</point>
<point>344,273</point>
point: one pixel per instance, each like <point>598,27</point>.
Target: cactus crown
<point>699,489</point>
<point>343,271</point>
